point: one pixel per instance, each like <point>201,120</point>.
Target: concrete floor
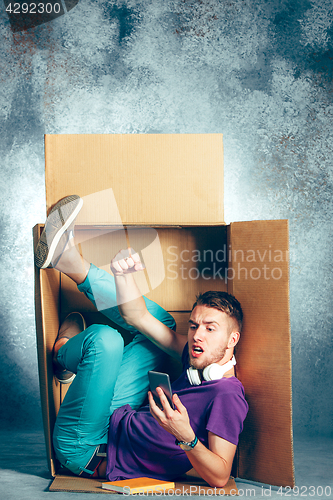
<point>24,474</point>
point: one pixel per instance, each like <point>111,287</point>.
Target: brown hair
<point>222,301</point>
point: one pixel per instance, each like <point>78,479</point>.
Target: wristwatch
<point>187,446</point>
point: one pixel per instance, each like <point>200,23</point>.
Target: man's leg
<point>99,287</point>
<point>95,355</point>
<point>107,377</point>
<point>132,385</point>
<point>56,248</point>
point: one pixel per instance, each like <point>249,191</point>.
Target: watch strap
<point>191,444</point>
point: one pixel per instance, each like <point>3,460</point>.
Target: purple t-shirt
<point>139,447</point>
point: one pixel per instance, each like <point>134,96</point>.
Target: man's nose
<point>199,333</point>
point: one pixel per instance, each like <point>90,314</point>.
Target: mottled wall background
<point>258,71</point>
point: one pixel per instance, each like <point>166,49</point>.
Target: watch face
<point>185,447</point>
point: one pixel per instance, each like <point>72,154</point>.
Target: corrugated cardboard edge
<point>84,485</point>
<point>290,365</point>
<point>45,378</point>
<point>283,472</point>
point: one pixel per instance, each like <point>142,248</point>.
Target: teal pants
<point>108,375</point>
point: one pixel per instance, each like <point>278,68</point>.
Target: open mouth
<point>196,351</point>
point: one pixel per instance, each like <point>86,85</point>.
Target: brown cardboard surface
<point>179,262</point>
<point>181,319</point>
<point>190,487</point>
<point>162,181</point>
<point>260,264</point>
<point>147,174</point>
<point>47,306</point>
<point>265,451</point>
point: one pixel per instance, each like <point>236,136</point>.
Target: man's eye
<point>192,327</point>
<point>210,329</point>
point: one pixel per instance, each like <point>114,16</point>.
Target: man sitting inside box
<point>102,410</point>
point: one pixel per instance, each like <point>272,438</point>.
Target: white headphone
<point>211,372</point>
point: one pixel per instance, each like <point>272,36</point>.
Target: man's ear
<point>233,339</point>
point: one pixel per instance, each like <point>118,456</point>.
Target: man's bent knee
<point>104,339</point>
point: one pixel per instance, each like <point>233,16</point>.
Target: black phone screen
<point>162,380</point>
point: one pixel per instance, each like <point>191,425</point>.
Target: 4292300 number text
<point>33,8</point>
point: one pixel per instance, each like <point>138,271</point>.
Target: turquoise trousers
<point>108,375</point>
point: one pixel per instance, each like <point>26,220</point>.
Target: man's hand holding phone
<point>162,380</point>
<point>174,420</point>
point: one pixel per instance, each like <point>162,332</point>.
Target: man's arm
<point>213,463</point>
<point>133,309</point>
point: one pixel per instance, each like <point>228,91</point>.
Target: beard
<point>200,364</point>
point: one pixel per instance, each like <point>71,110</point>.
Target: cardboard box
<point>168,192</point>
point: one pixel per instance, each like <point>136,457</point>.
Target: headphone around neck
<point>211,372</point>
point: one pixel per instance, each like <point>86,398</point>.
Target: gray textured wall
<point>258,71</point>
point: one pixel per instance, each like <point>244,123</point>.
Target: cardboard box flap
<point>47,306</point>
<point>185,487</point>
<point>259,278</point>
<point>136,178</point>
<point>258,264</point>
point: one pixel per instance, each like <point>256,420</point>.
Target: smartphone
<point>162,380</point>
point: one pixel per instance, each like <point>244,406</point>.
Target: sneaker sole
<point>44,251</point>
<point>65,380</point>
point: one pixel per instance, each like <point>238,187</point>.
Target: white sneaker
<point>58,221</point>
